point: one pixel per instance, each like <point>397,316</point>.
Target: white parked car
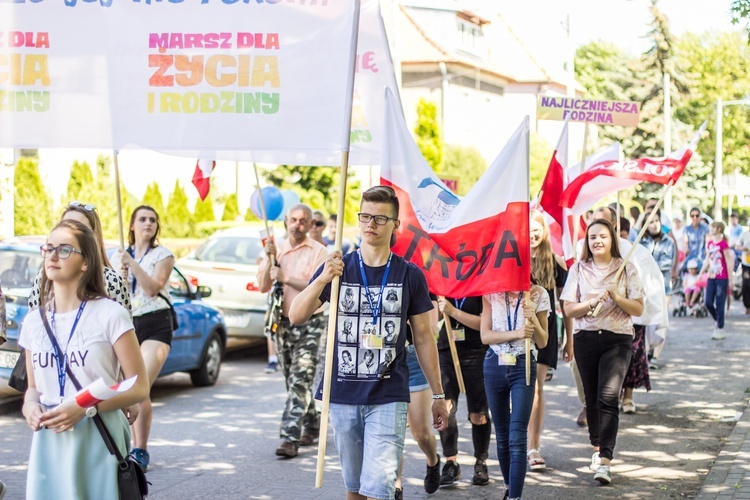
<point>228,263</point>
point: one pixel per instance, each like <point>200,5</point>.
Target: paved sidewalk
<point>729,476</point>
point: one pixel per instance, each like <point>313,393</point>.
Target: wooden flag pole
<point>263,210</point>
<point>119,203</point>
<point>331,336</point>
<point>527,303</point>
<point>454,353</point>
<point>638,240</point>
<point>619,216</point>
<point>335,283</point>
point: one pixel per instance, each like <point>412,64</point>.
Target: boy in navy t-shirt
<point>379,293</point>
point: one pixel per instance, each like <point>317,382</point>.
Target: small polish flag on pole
<point>202,176</point>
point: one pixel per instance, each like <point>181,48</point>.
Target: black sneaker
<point>481,477</point>
<point>432,478</point>
<point>451,473</point>
<point>399,495</point>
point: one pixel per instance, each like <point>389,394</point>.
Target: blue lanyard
<point>375,308</point>
<point>515,314</point>
<point>131,251</point>
<point>460,305</point>
<point>62,359</point>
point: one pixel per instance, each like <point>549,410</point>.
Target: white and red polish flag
<point>99,391</point>
<point>609,176</point>
<point>202,176</point>
<point>466,246</point>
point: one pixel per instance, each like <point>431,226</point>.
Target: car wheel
<point>208,372</point>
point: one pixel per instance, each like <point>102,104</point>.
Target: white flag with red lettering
<point>466,246</point>
<point>610,176</point>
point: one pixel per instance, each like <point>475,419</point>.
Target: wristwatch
<point>438,396</point>
<point>91,411</point>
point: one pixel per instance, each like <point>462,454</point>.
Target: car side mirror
<point>204,291</point>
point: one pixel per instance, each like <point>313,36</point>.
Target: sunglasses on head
<point>87,207</point>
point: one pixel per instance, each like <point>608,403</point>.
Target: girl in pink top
<point>719,259</point>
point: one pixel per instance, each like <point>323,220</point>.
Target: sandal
<point>628,406</point>
<point>537,463</point>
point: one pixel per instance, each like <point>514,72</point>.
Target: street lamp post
<point>718,167</point>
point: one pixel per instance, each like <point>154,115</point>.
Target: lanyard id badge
<point>370,337</point>
<point>61,357</point>
<point>459,334</point>
<point>506,359</point>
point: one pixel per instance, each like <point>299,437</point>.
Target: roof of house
<point>508,58</point>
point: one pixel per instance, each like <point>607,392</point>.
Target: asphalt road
<point>219,442</point>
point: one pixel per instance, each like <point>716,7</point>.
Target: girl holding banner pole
<point>505,373</point>
<point>76,313</point>
<point>603,342</point>
<point>146,266</point>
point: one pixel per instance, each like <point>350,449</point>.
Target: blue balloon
<point>272,200</point>
<point>291,198</point>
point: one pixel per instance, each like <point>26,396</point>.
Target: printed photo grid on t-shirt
<point>355,314</point>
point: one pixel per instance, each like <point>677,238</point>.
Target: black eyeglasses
<point>63,251</point>
<point>693,216</point>
<point>380,220</point>
<point>87,207</point>
<point>319,223</point>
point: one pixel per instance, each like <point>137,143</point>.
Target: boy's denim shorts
<point>417,380</point>
<point>370,441</point>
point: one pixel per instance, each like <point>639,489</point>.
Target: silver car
<point>228,263</point>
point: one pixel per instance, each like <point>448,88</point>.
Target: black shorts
<point>548,354</point>
<point>156,325</point>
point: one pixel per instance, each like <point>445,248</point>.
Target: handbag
<point>18,377</point>
<point>172,313</point>
<point>131,479</point>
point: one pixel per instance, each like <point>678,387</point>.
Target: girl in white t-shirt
<point>506,323</point>
<point>94,337</point>
<point>146,266</point>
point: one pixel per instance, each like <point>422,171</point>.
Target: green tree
<point>204,210</point>
<point>318,187</point>
<point>103,196</point>
<point>428,134</point>
<point>80,183</point>
<point>153,198</point>
<point>231,209</point>
<point>719,67</point>
<point>463,163</point>
<point>33,206</point>
<point>178,221</point>
<point>740,11</point>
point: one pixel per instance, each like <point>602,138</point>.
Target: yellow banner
<point>588,111</point>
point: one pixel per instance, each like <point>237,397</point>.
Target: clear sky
<point>537,22</point>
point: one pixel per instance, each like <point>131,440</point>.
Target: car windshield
<point>18,269</point>
<point>231,250</point>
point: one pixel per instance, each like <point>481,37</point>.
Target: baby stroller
<point>680,304</point>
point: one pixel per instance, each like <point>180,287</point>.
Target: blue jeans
<point>716,299</point>
<point>370,442</point>
<point>506,385</point>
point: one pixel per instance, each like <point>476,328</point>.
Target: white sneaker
<point>596,461</point>
<point>603,475</point>
<point>718,334</point>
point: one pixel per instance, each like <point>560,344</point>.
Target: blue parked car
<point>197,346</point>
